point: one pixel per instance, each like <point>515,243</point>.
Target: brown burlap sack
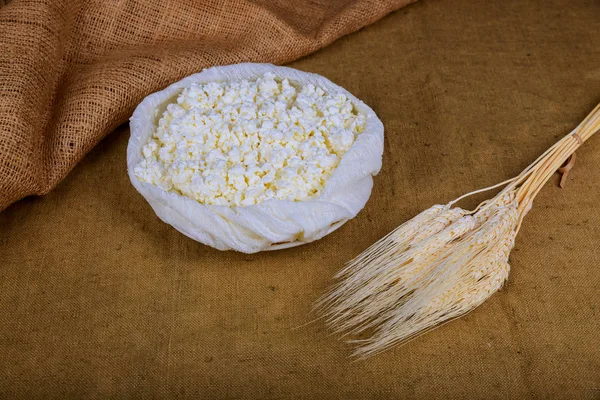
<point>72,71</point>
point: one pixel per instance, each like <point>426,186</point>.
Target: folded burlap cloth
<point>72,71</point>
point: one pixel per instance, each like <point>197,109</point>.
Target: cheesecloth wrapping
<point>272,223</point>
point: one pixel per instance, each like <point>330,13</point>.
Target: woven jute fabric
<point>99,299</point>
<point>72,71</point>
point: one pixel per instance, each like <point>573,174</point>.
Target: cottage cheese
<point>243,142</point>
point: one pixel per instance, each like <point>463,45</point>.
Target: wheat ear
<point>441,264</point>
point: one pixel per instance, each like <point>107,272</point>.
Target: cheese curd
<point>239,143</point>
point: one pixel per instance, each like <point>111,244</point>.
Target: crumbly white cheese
<point>243,142</point>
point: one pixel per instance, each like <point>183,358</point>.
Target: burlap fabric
<point>101,300</point>
<point>72,71</point>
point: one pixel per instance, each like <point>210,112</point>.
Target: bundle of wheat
<point>443,263</point>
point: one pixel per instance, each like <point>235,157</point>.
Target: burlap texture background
<point>99,299</point>
<point>72,71</point>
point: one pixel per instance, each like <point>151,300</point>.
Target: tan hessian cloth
<point>72,71</point>
<point>99,299</point>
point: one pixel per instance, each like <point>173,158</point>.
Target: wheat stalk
<point>441,264</point>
